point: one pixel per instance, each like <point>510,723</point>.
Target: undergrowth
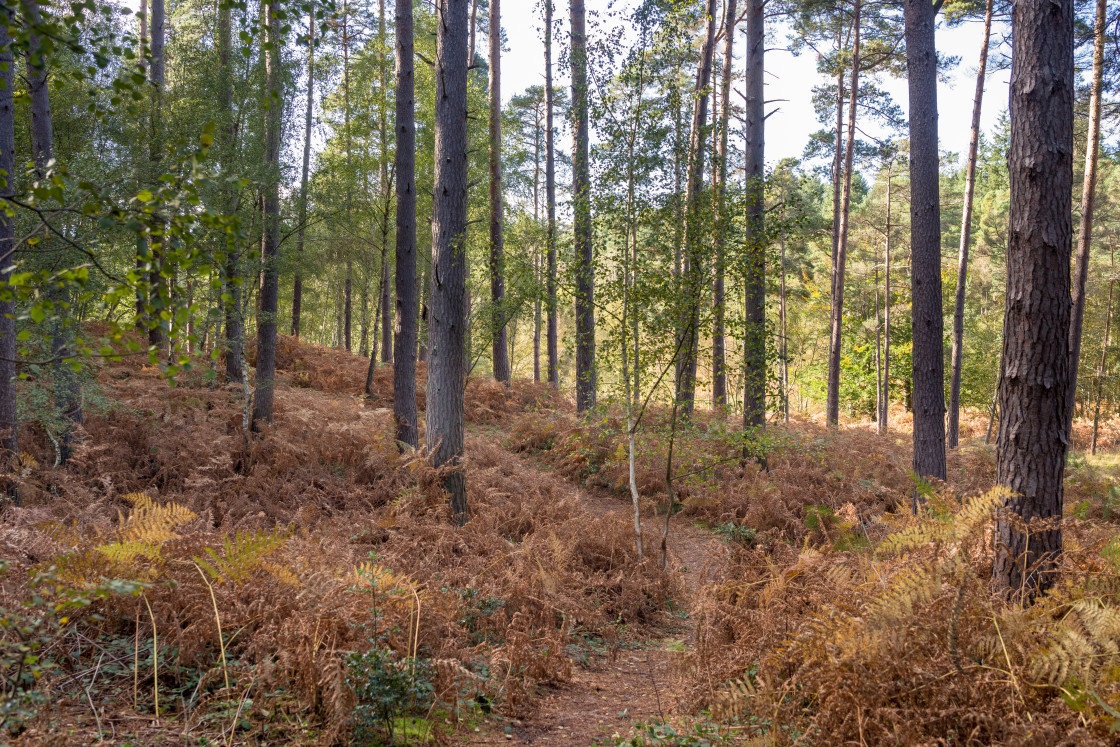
<point>305,584</point>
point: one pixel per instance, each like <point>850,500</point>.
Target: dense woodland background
<point>343,402</point>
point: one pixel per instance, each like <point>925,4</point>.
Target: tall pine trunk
<point>1088,200</point>
<point>840,259</point>
<point>270,235</point>
<point>928,370</point>
<point>227,134</point>
<point>719,170</point>
<point>966,228</point>
<point>1031,445</point>
<point>754,339</point>
<point>157,288</point>
<point>67,394</point>
<point>297,288</point>
<point>499,348</point>
<point>404,356</point>
<point>448,307</point>
<point>581,205</point>
<point>550,199</point>
<point>694,255</point>
<point>387,182</point>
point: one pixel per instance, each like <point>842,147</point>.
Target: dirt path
<point>608,693</point>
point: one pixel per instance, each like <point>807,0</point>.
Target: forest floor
<point>634,681</point>
<point>183,583</point>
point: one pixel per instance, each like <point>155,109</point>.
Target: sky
<point>787,77</point>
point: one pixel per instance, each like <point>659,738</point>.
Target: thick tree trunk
<point>966,228</point>
<point>448,308</point>
<point>581,206</point>
<point>928,371</point>
<point>840,257</point>
<point>404,356</point>
<point>719,170</point>
<point>550,199</point>
<point>694,255</point>
<point>270,237</point>
<point>499,347</point>
<point>754,340</point>
<point>1088,200</point>
<point>297,288</point>
<point>9,415</point>
<point>1032,442</point>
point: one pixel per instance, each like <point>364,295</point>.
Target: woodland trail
<point>634,682</point>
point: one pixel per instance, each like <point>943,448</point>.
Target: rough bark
<point>447,310</point>
<point>270,236</point>
<point>966,229</point>
<point>499,347</point>
<point>719,170</point>
<point>297,288</point>
<point>404,356</point>
<point>1031,446</point>
<point>550,199</point>
<point>1088,200</point>
<point>928,371</point>
<point>694,260</point>
<point>840,256</point>
<point>581,205</point>
<point>754,340</point>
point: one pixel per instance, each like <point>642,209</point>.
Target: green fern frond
<point>240,555</point>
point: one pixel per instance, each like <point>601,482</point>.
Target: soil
<point>609,693</point>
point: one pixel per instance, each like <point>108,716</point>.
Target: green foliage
<point>391,692</point>
<point>663,734</point>
<point>735,533</point>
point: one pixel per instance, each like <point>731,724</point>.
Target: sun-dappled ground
<point>305,585</point>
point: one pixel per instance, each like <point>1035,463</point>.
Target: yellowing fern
<point>242,554</point>
<point>150,522</point>
<point>945,527</point>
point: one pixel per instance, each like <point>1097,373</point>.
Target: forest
<point>351,394</point>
